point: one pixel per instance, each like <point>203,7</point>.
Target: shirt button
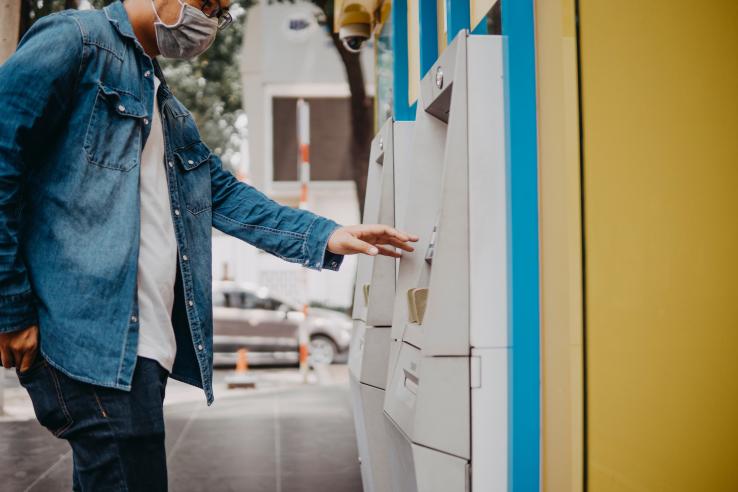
<point>199,347</point>
<point>190,303</point>
<point>170,163</point>
<point>121,108</point>
<point>134,319</point>
<point>190,161</point>
<point>146,121</point>
<point>147,74</point>
<point>184,257</point>
<point>176,211</point>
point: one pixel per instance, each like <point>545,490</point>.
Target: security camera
<point>353,36</point>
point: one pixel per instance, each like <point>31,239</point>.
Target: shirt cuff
<point>17,312</point>
<point>316,244</point>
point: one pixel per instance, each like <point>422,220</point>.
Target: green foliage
<point>210,87</point>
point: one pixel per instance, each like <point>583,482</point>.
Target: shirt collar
<point>117,15</point>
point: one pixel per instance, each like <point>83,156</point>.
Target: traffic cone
<point>242,365</point>
<point>304,353</point>
<point>241,378</point>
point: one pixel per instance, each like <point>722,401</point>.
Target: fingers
<point>359,246</point>
<point>7,357</point>
<point>400,244</point>
<point>391,241</point>
<point>402,236</point>
<point>384,230</point>
<point>27,360</point>
<point>385,251</point>
<point>15,347</point>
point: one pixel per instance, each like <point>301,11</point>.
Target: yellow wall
<point>441,20</point>
<point>660,129</point>
<point>561,258</point>
<point>478,9</point>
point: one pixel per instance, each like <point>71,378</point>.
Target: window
<point>330,139</point>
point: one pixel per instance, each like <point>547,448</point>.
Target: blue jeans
<point>117,437</point>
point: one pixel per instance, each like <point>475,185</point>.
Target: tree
<point>362,107</point>
<point>210,87</point>
<point>8,29</point>
<point>362,117</point>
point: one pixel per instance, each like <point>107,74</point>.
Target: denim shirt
<point>76,101</point>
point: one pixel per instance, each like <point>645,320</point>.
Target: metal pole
<point>303,159</point>
<point>9,23</point>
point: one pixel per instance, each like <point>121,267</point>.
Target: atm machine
<point>373,301</point>
<point>446,400</point>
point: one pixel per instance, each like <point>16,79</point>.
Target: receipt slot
<point>446,398</point>
<point>373,306</point>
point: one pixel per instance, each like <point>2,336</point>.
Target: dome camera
<point>353,36</point>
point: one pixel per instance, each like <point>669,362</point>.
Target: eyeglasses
<point>212,8</point>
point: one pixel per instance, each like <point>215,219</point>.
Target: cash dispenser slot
<point>417,300</point>
<point>411,382</point>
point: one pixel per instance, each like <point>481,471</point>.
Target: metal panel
<point>489,419</point>
<point>375,278</point>
<point>447,381</point>
<point>375,467</point>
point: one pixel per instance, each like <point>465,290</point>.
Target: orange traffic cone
<point>242,365</point>
<point>304,351</point>
<point>241,377</point>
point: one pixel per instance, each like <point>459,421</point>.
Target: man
<point>107,199</point>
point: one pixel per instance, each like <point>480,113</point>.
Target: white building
<point>288,54</point>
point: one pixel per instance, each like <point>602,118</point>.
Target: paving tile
<point>300,439</point>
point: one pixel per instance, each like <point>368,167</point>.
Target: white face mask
<point>190,36</point>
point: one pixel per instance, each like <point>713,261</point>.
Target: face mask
<point>190,36</point>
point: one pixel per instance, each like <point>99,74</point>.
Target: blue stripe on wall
<point>428,33</point>
<point>457,17</point>
<point>522,166</point>
<point>401,109</point>
<point>481,27</point>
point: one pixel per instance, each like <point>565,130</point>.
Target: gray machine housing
<point>373,301</point>
<point>446,398</point>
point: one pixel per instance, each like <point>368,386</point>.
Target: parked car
<point>249,316</point>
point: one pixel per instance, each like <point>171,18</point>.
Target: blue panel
<point>481,27</point>
<point>428,13</point>
<point>457,17</point>
<point>402,109</point>
<point>522,167</point>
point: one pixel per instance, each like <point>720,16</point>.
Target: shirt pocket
<point>113,137</point>
<point>195,176</point>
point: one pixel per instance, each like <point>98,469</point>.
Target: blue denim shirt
<point>76,101</point>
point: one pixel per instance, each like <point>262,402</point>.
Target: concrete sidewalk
<point>281,437</point>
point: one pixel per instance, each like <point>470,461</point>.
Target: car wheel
<point>322,350</point>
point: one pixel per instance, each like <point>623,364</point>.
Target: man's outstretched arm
<point>294,235</point>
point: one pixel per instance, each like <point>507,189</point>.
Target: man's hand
<point>370,240</point>
<point>19,348</point>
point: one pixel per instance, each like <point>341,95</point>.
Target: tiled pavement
<point>284,437</point>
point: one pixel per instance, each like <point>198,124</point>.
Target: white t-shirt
<point>157,260</point>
